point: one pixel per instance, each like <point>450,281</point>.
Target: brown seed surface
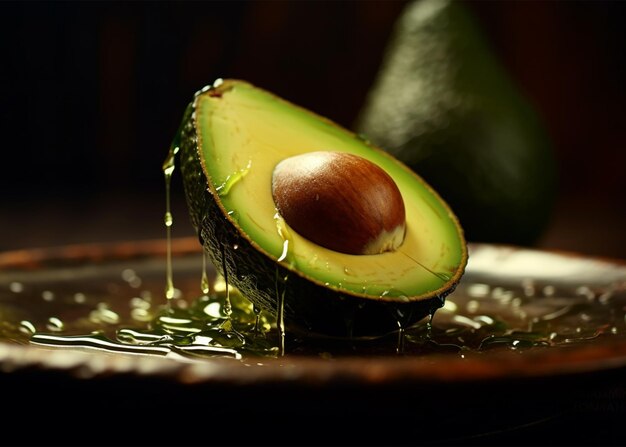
<point>340,201</point>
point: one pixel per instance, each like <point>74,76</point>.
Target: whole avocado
<point>443,105</point>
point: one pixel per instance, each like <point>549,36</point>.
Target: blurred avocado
<point>444,105</point>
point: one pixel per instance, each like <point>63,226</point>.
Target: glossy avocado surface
<point>443,104</point>
<point>233,136</point>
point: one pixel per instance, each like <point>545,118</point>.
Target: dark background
<point>92,93</point>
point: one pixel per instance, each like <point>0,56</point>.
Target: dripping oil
<point>212,319</point>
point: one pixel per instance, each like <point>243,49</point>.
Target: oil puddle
<point>119,308</point>
<point>122,310</point>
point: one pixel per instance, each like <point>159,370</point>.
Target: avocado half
<point>232,136</point>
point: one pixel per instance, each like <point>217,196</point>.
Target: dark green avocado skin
<point>309,307</point>
<point>444,106</point>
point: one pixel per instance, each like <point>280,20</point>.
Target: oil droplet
<point>485,319</point>
<point>168,169</point>
<point>204,89</point>
<point>213,310</point>
<point>234,215</point>
<point>26,327</point>
<point>54,324</point>
<point>281,288</point>
<point>174,324</point>
<point>139,303</point>
<point>16,287</point>
<point>139,314</point>
<point>131,278</point>
<point>80,298</point>
<point>449,306</point>
<point>228,308</point>
<point>47,295</point>
<point>168,219</point>
<point>128,275</point>
<point>402,317</point>
<point>169,289</point>
<point>500,293</point>
<point>170,161</point>
<point>102,314</point>
<point>463,320</point>
<point>472,306</point>
<point>285,235</point>
<point>429,324</point>
<point>548,290</point>
<point>204,282</point>
<point>478,290</point>
<point>400,341</point>
<point>233,179</point>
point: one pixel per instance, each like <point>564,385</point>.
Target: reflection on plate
<point>516,311</point>
<point>521,321</point>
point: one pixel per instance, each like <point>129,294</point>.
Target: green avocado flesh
<point>232,137</point>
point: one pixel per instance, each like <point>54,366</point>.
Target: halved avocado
<point>232,137</point>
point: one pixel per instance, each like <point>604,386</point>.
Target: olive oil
<point>168,169</point>
<point>99,310</point>
<point>120,308</point>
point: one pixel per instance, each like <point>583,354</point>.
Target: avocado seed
<point>340,201</point>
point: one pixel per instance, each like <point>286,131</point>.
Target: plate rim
<point>294,370</point>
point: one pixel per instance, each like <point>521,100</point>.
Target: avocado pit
<point>340,201</point>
